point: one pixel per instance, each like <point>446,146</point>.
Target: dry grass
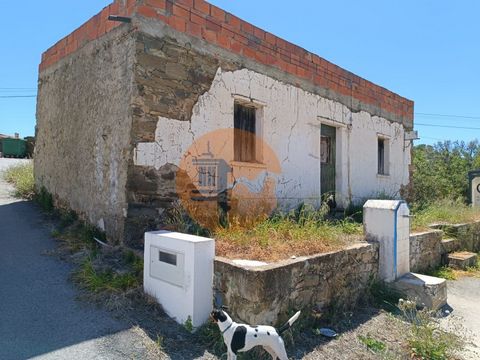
<point>444,211</point>
<point>21,177</point>
<point>282,237</point>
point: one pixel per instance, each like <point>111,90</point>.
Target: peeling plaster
<point>291,126</point>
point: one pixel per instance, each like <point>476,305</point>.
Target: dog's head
<point>218,315</point>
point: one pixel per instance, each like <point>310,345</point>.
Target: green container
<point>16,148</point>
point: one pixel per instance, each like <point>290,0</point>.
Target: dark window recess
<point>244,136</point>
<point>168,258</point>
<point>381,156</point>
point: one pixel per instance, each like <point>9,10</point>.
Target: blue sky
<point>425,50</point>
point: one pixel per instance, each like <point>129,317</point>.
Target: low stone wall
<point>425,250</point>
<point>467,235</point>
<point>268,294</point>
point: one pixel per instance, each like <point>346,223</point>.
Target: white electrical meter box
<point>388,223</point>
<point>178,273</point>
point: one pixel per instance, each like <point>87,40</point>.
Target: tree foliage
<point>440,171</point>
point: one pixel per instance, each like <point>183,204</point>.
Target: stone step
<point>462,260</point>
<point>426,291</point>
<point>450,245</point>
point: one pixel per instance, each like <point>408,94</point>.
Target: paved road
<point>464,298</point>
<point>39,315</point>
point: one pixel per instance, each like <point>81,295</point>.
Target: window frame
<point>383,156</point>
<point>258,107</point>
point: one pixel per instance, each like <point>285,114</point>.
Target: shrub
<point>21,177</point>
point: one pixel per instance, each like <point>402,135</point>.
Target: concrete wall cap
<point>383,204</point>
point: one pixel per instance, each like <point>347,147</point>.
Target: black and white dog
<point>241,337</point>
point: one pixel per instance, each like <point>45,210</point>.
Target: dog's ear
<point>223,307</point>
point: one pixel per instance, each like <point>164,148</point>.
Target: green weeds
<point>21,177</point>
<point>103,281</point>
<point>426,340</point>
<point>373,344</point>
<point>444,272</point>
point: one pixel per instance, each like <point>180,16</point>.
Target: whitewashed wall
<point>291,126</point>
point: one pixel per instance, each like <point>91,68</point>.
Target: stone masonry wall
<point>425,251</point>
<point>467,236</point>
<point>83,129</point>
<point>169,77</point>
<point>270,293</point>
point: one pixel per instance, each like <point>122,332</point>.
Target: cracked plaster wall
<point>291,120</point>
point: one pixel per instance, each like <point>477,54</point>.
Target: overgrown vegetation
<point>449,273</point>
<point>444,272</point>
<point>441,171</point>
<point>112,271</point>
<point>305,231</point>
<point>426,340</point>
<point>103,281</point>
<point>438,192</point>
<point>21,177</point>
<point>445,211</point>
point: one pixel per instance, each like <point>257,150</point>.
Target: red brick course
<point>203,20</point>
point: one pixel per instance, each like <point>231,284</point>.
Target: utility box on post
<point>178,272</point>
<point>388,223</point>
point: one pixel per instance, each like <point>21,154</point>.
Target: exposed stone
<point>426,291</point>
<point>462,260</point>
<point>267,293</point>
<point>450,245</point>
<point>425,250</point>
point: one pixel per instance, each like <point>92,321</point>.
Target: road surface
<point>39,315</point>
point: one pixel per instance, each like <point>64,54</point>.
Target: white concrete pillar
<point>388,223</point>
<point>178,272</point>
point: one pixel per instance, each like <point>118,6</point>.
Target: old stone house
<point>184,102</point>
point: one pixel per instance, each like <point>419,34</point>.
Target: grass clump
<point>383,296</point>
<point>45,199</point>
<point>373,344</point>
<point>103,281</point>
<point>210,336</point>
<point>444,272</point>
<point>299,233</point>
<point>425,339</point>
<point>443,211</point>
<point>21,177</point>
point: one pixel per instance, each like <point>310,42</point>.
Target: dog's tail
<point>288,324</point>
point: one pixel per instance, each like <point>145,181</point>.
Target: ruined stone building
<point>184,104</point>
